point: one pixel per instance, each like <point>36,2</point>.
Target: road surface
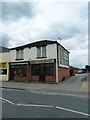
<point>26,104</point>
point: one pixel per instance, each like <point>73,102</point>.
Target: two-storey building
<point>44,61</point>
<point>4,67</point>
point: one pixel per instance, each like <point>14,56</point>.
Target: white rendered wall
<point>12,55</point>
<point>4,57</point>
<point>31,53</point>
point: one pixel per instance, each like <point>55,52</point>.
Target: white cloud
<point>79,57</point>
<point>52,20</point>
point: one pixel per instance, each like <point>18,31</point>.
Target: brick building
<point>41,61</point>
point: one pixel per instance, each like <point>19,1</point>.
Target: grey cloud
<point>0,10</point>
<point>70,35</point>
<point>4,40</point>
<point>17,10</point>
<point>63,31</point>
<point>57,30</point>
<point>75,44</point>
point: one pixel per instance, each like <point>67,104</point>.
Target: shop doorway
<point>42,72</point>
<point>12,73</point>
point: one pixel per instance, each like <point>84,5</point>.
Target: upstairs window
<point>19,54</point>
<point>38,51</point>
<point>44,51</point>
<point>41,51</point>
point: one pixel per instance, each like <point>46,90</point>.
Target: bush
<point>71,73</point>
<point>63,78</point>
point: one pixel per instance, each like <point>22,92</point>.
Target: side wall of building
<point>63,73</point>
<point>63,64</point>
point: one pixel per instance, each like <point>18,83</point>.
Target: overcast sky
<point>25,22</point>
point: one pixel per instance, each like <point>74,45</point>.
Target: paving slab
<point>71,85</point>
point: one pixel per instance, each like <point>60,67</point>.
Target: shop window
<point>20,70</point>
<point>35,69</point>
<point>3,71</point>
<point>49,69</point>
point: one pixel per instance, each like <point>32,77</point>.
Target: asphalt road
<point>26,104</point>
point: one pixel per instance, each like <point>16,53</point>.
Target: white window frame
<point>44,51</point>
<point>38,52</point>
<point>41,54</point>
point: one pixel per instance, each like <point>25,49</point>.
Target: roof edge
<point>36,43</point>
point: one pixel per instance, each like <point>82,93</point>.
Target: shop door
<point>12,70</point>
<point>42,73</point>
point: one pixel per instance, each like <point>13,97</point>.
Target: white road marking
<point>45,106</point>
<point>34,105</point>
<point>12,89</point>
<point>35,92</point>
<point>82,96</point>
<point>74,111</point>
<point>63,94</point>
<point>8,101</point>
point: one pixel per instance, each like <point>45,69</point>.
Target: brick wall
<point>50,78</point>
<point>35,78</point>
<point>20,78</point>
<point>63,72</point>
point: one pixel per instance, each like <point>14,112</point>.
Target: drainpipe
<point>28,73</point>
<point>56,71</point>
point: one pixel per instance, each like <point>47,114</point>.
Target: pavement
<point>73,85</point>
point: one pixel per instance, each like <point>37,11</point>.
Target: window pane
<point>35,69</point>
<point>49,69</point>
<point>3,71</point>
<point>17,54</point>
<point>38,51</point>
<point>21,54</point>
<point>20,70</point>
<point>44,51</point>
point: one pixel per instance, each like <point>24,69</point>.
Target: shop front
<point>19,71</point>
<point>33,71</point>
<point>43,71</point>
<point>3,71</point>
